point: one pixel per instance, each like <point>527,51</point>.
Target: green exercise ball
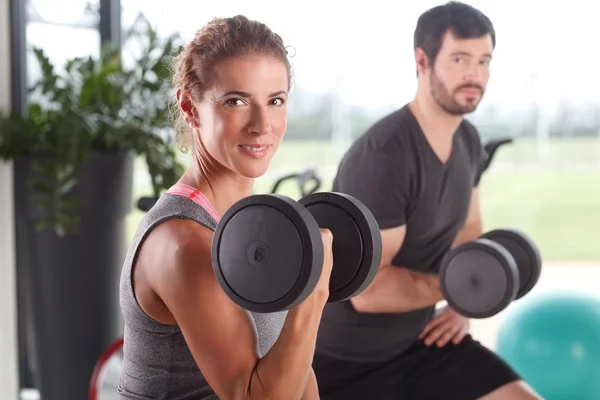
<point>553,341</point>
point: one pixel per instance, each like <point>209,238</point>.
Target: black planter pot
<point>69,286</point>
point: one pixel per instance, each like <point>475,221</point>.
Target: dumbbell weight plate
<point>356,241</point>
<point>267,253</point>
<point>479,278</point>
<point>525,253</point>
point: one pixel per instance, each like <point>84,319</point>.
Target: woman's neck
<point>221,188</point>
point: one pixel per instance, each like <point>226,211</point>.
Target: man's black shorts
<point>465,371</point>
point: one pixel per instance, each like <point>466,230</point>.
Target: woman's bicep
<point>221,336</point>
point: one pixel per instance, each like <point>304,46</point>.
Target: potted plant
<point>73,156</point>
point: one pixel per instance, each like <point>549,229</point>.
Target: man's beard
<point>447,100</point>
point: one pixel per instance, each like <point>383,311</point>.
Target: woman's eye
<point>278,101</point>
<point>233,102</point>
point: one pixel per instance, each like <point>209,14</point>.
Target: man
<point>417,170</point>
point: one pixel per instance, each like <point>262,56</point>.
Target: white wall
<point>9,380</point>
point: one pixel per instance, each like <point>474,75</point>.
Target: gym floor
<point>555,276</point>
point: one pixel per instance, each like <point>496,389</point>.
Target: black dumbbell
<point>267,250</point>
<point>482,277</point>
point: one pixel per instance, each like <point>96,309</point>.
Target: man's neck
<point>435,122</point>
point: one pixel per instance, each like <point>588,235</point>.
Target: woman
<point>184,338</point>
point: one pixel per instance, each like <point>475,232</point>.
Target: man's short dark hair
<point>462,20</point>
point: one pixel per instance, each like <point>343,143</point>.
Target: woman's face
<point>243,117</point>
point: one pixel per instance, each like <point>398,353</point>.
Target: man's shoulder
<point>383,153</point>
<point>386,134</point>
<point>470,131</point>
<point>392,123</point>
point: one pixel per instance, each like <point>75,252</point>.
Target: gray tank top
<point>157,362</point>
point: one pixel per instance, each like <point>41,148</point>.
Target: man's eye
<point>278,101</point>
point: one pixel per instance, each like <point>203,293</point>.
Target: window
<point>62,32</point>
<point>353,67</point>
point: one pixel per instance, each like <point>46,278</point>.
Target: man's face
<point>460,73</point>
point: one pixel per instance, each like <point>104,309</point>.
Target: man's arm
<point>473,227</point>
<point>397,289</point>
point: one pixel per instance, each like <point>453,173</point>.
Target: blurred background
<point>353,63</point>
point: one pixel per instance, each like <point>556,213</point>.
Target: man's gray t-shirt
<point>393,170</point>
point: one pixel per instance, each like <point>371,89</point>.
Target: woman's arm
<point>311,391</point>
<point>221,335</point>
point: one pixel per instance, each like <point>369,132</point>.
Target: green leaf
<point>94,105</point>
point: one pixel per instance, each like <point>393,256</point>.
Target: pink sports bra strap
<point>181,189</point>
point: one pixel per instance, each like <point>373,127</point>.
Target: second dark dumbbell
<point>482,277</point>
